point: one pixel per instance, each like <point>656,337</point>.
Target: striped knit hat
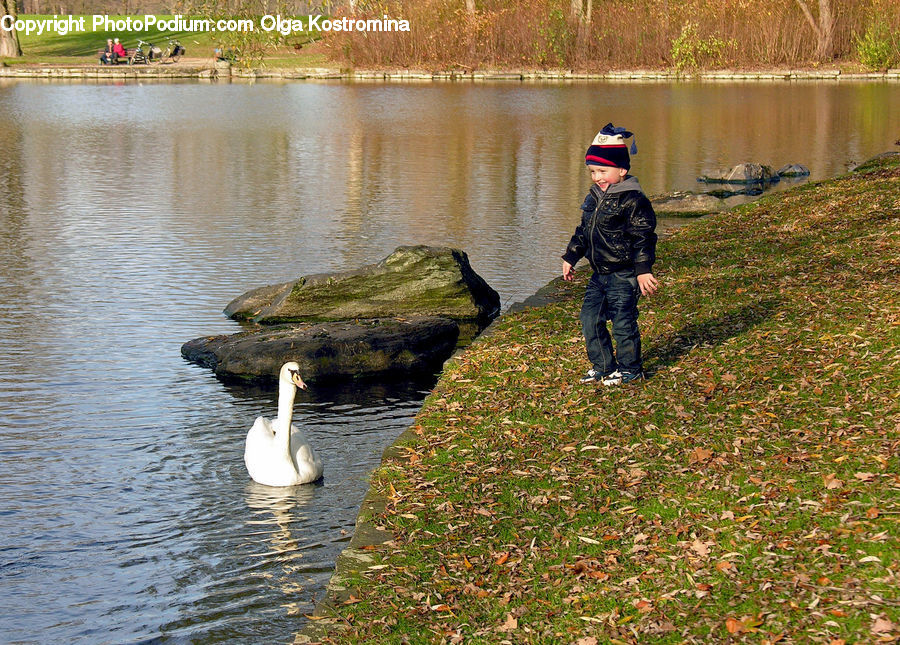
<point>608,148</point>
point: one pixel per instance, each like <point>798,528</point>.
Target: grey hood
<point>629,183</point>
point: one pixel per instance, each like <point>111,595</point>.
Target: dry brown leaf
<point>700,548</point>
<point>882,626</point>
<point>734,626</point>
<point>699,455</point>
<point>511,623</point>
<point>832,482</point>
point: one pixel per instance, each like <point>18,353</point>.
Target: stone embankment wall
<point>223,71</point>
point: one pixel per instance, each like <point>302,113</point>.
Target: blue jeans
<point>614,297</point>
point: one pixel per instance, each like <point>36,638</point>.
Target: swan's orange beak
<point>298,381</point>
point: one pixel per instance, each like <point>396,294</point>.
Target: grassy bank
<point>747,491</point>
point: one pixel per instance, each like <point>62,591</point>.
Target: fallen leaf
<point>865,477</point>
<point>882,625</point>
<point>832,482</point>
<point>700,548</point>
<point>723,566</point>
<point>587,640</point>
<point>734,626</point>
<point>503,557</point>
<point>511,624</point>
<point>873,513</point>
<point>699,455</point>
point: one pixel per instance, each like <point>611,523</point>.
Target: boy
<point>617,237</point>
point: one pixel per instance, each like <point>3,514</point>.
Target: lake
<point>130,214</point>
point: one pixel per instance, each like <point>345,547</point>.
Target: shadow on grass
<point>707,332</point>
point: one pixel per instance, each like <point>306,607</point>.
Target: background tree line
<point>627,34</point>
<point>134,7</point>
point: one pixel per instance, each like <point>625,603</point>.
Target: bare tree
<point>9,40</point>
<point>580,11</point>
<point>823,28</point>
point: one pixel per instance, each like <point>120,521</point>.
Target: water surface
<point>131,213</point>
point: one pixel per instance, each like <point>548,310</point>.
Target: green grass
<point>748,491</point>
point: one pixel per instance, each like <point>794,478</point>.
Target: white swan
<point>277,453</point>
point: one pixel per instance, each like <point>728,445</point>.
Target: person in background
<point>118,51</point>
<point>106,56</point>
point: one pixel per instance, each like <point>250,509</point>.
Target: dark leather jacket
<point>617,230</point>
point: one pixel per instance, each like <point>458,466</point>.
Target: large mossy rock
<point>413,280</point>
<point>330,351</point>
<point>744,173</point>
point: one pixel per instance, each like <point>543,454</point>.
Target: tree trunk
<point>9,40</point>
<point>823,28</point>
<point>575,10</point>
<point>580,11</point>
<point>470,7</point>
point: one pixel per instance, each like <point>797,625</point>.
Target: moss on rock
<point>413,280</point>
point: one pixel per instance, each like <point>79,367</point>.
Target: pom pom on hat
<point>608,148</point>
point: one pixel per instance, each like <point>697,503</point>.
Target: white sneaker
<point>591,376</point>
<point>612,379</point>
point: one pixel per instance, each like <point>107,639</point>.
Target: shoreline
<point>357,557</point>
<point>372,534</point>
<point>210,70</point>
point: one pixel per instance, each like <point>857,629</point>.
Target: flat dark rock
<point>330,351</point>
<point>687,203</point>
<point>793,170</point>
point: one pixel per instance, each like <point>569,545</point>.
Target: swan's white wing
<point>258,446</point>
<point>262,427</point>
<point>308,464</point>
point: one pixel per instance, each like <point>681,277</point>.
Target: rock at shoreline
<point>793,170</point>
<point>413,280</point>
<point>330,351</point>
<point>874,161</point>
<point>744,173</point>
<point>686,204</point>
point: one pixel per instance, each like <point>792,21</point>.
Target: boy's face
<point>605,176</point>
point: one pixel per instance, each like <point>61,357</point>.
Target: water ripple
<point>128,516</point>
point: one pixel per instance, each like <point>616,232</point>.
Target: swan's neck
<point>286,392</point>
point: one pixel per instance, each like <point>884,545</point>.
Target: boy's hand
<point>568,271</point>
<point>648,284</point>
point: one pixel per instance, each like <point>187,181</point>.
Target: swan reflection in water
<point>278,525</point>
